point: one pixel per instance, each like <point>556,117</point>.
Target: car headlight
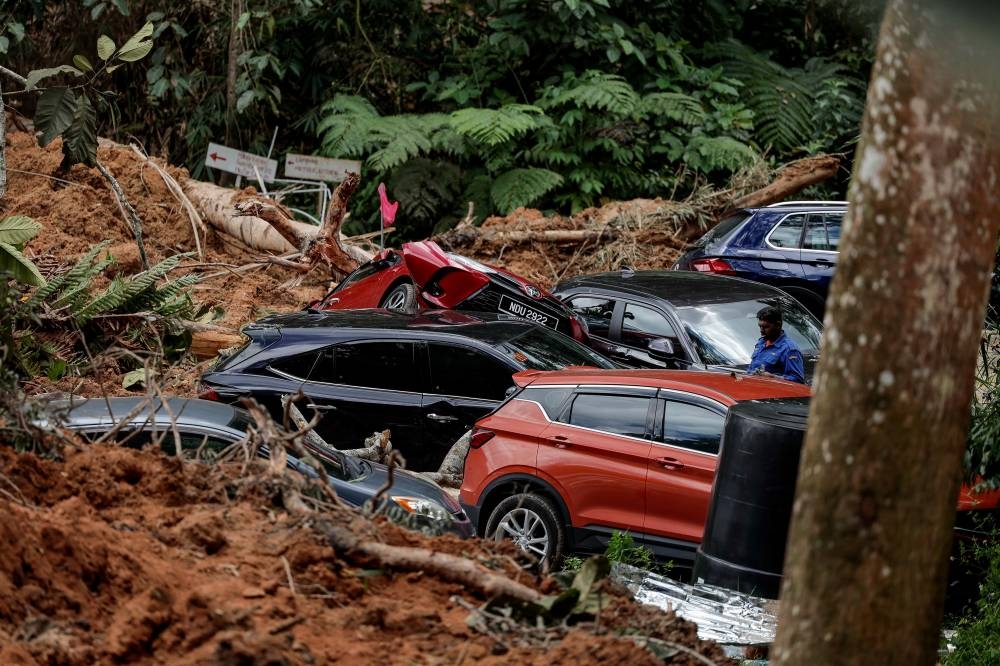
<point>422,507</point>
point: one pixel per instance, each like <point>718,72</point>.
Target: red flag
<point>388,209</point>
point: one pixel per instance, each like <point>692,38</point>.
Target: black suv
<point>426,376</point>
<point>681,320</point>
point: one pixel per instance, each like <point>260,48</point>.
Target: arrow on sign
<point>217,156</point>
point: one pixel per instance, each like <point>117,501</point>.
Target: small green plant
<point>623,548</point>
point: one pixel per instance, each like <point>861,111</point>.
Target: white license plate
<point>521,311</point>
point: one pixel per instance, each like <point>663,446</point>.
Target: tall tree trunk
<point>235,9</point>
<point>868,547</point>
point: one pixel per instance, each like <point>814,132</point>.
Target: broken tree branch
<point>446,567</point>
<point>128,211</point>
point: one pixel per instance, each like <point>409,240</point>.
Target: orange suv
<point>577,454</point>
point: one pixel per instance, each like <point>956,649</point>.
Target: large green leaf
<point>19,266</point>
<point>135,49</point>
<point>54,113</point>
<point>80,138</point>
<point>18,229</point>
<point>36,75</point>
<point>105,47</point>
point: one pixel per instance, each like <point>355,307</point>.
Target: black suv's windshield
<point>539,348</point>
<point>725,333</point>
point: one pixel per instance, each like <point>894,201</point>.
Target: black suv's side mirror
<point>661,348</point>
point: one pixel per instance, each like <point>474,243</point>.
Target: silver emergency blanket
<point>724,616</point>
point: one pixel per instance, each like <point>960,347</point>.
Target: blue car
<point>791,245</point>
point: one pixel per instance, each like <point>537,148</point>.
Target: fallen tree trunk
<point>216,205</point>
<point>792,179</point>
<point>465,235</point>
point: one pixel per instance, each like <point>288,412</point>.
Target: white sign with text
<point>235,161</point>
<point>310,167</point>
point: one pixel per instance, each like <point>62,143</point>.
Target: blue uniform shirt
<point>782,358</point>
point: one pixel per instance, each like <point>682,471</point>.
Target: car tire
<point>532,522</point>
<point>401,298</point>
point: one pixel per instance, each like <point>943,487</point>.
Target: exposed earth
<point>118,556</point>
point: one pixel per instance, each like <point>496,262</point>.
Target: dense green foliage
<point>975,642</point>
<point>558,104</point>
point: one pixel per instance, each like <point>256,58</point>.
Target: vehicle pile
<point>115,554</point>
<point>560,419</point>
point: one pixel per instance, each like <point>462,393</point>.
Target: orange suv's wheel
<point>532,523</point>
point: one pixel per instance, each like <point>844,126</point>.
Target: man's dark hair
<point>770,314</point>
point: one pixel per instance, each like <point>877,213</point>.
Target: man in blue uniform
<point>775,355</point>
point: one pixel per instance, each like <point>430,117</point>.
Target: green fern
<point>784,99</point>
<point>79,275</point>
<point>497,126</point>
<point>600,91</point>
<point>403,138</point>
<point>675,106</point>
<point>719,152</point>
<point>522,187</point>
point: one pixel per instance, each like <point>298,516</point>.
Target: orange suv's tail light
<point>480,436</point>
<point>718,266</point>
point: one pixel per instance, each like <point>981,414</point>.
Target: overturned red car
<point>422,275</point>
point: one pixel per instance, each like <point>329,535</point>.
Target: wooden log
<point>216,204</point>
<point>792,179</point>
<point>206,344</point>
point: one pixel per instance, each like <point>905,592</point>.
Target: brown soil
<point>117,556</point>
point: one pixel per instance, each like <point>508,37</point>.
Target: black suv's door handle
<point>441,418</point>
<point>670,463</point>
<point>323,408</point>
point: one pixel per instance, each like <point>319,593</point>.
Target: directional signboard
<point>311,167</point>
<point>235,161</point>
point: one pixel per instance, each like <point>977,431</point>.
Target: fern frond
<point>77,286</point>
<point>116,293</point>
<point>675,106</point>
<point>496,126</point>
<point>722,152</point>
<point>81,271</point>
<point>778,98</point>
<point>402,138</point>
<point>522,187</point>
<point>602,91</point>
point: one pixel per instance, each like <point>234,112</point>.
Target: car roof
<point>726,387</point>
<point>682,288</point>
<point>482,325</point>
<point>81,412</point>
<point>795,206</point>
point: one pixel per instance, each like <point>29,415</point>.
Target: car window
<point>823,232</point>
<point>725,333</point>
<point>617,414</point>
<point>552,399</point>
<point>390,365</point>
<point>788,233</point>
<point>206,447</point>
<point>315,366</point>
<point>641,324</point>
<point>540,348</point>
<point>596,311</point>
<point>467,372</point>
<point>722,228</point>
<point>692,427</point>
